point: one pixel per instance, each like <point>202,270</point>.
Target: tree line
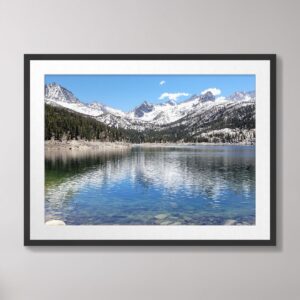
<point>63,124</point>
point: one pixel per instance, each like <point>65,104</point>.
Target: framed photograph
<point>150,149</point>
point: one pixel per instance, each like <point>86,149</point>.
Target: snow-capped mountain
<point>193,116</point>
<point>59,96</point>
<point>208,96</point>
<point>55,92</point>
<point>143,109</point>
<point>242,96</point>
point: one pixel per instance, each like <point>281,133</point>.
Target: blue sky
<point>128,91</point>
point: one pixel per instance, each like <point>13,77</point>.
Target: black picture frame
<point>31,57</point>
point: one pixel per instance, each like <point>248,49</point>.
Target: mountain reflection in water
<point>192,185</point>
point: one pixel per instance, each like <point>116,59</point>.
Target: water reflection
<point>180,185</point>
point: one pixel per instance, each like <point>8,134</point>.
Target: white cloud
<point>214,91</point>
<point>162,82</point>
<point>172,96</point>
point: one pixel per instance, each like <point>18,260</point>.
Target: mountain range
<point>202,118</point>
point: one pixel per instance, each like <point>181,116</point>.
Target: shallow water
<point>197,185</point>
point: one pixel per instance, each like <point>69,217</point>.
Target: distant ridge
<point>194,119</point>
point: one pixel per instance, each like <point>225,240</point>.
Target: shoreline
<point>189,144</point>
<point>81,145</point>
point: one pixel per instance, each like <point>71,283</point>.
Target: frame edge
<point>270,242</point>
<point>26,150</point>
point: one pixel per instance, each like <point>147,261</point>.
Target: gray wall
<point>143,26</point>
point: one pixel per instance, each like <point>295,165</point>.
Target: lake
<point>181,185</point>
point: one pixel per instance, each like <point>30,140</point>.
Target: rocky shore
<point>82,145</point>
<point>148,145</point>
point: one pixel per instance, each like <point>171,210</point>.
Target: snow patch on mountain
<point>58,93</point>
<point>205,107</point>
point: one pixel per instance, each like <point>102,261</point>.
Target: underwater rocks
<point>170,219</point>
<point>161,216</point>
<point>55,223</point>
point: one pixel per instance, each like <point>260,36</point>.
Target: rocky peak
<point>96,105</point>
<point>145,107</point>
<point>55,92</point>
<point>242,96</point>
<point>171,102</point>
<point>208,96</point>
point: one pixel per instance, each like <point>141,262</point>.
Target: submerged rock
<point>230,222</point>
<point>177,223</point>
<point>166,223</point>
<point>161,216</point>
<point>55,223</point>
